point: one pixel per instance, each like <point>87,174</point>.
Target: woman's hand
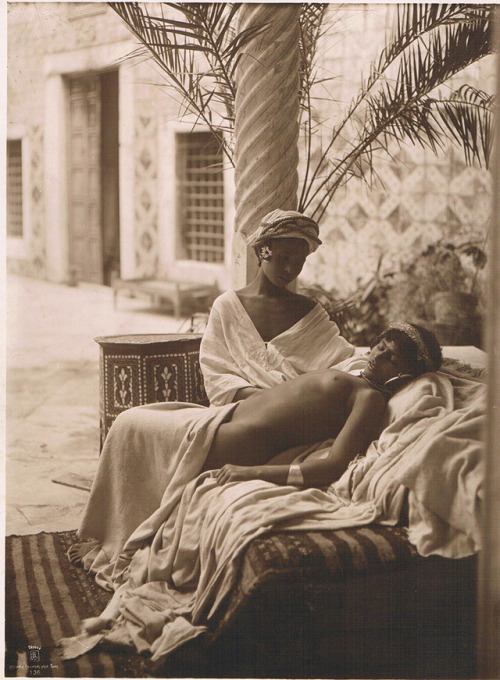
<point>235,473</point>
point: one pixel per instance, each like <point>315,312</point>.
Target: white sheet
<point>185,560</point>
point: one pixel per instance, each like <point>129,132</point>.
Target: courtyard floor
<point>52,393</point>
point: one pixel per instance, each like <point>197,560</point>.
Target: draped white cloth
<point>149,456</point>
<point>180,564</point>
<point>233,355</point>
<point>142,460</point>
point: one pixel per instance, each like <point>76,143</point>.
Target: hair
<point>416,366</point>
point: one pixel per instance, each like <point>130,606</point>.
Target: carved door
<point>84,190</point>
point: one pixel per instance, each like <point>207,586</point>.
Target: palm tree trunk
<point>266,123</point>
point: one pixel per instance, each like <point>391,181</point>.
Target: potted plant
<point>441,288</point>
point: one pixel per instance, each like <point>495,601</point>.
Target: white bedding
<point>179,567</point>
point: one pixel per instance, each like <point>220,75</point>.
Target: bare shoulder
<point>304,302</point>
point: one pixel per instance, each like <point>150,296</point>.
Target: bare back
<point>313,407</point>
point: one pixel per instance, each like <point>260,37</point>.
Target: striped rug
<point>45,599</point>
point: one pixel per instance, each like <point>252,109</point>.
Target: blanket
<point>150,454</point>
<point>178,567</point>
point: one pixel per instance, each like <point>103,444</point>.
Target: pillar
<point>266,124</point>
<point>489,567</point>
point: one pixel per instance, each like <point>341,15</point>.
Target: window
<point>14,188</point>
<point>200,191</point>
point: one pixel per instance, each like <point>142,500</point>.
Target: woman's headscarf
<point>285,224</point>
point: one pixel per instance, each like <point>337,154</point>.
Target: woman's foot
<point>77,552</point>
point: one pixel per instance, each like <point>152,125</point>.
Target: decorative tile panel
<point>416,197</point>
<point>37,254</point>
<point>146,194</point>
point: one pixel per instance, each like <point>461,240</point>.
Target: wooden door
<point>85,238</point>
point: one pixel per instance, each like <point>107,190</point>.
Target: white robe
<point>233,355</point>
<point>141,461</point>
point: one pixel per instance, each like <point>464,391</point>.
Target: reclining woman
<point>256,337</point>
<point>259,434</point>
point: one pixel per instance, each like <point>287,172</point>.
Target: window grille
<point>200,191</point>
<point>14,188</point>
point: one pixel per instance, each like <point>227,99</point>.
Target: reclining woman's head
<point>282,242</point>
<point>403,352</point>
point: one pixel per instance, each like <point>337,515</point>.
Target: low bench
<point>352,603</point>
<point>175,292</point>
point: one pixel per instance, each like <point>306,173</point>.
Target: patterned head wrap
<point>422,350</point>
<point>285,224</point>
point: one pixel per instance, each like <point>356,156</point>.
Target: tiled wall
<point>34,31</point>
<point>417,198</point>
<point>146,194</point>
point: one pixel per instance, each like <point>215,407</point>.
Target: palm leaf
<point>467,118</point>
<point>413,23</point>
<point>392,109</point>
<point>197,48</point>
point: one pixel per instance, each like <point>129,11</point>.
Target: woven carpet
<point>45,599</point>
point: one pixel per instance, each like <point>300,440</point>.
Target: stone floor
<point>52,393</point>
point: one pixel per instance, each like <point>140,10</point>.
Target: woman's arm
<point>361,428</point>
<point>245,392</point>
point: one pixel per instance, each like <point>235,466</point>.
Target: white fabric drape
<point>180,563</point>
<point>233,355</point>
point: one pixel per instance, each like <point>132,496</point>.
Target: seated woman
<point>264,334</point>
<point>256,337</point>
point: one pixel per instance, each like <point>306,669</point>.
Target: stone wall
<point>416,197</point>
<point>37,31</point>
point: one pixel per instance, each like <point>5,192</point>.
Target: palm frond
<point>415,20</point>
<point>416,40</point>
<point>197,47</point>
<point>466,117</point>
<point>393,109</point>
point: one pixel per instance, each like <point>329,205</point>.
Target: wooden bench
<point>175,292</point>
